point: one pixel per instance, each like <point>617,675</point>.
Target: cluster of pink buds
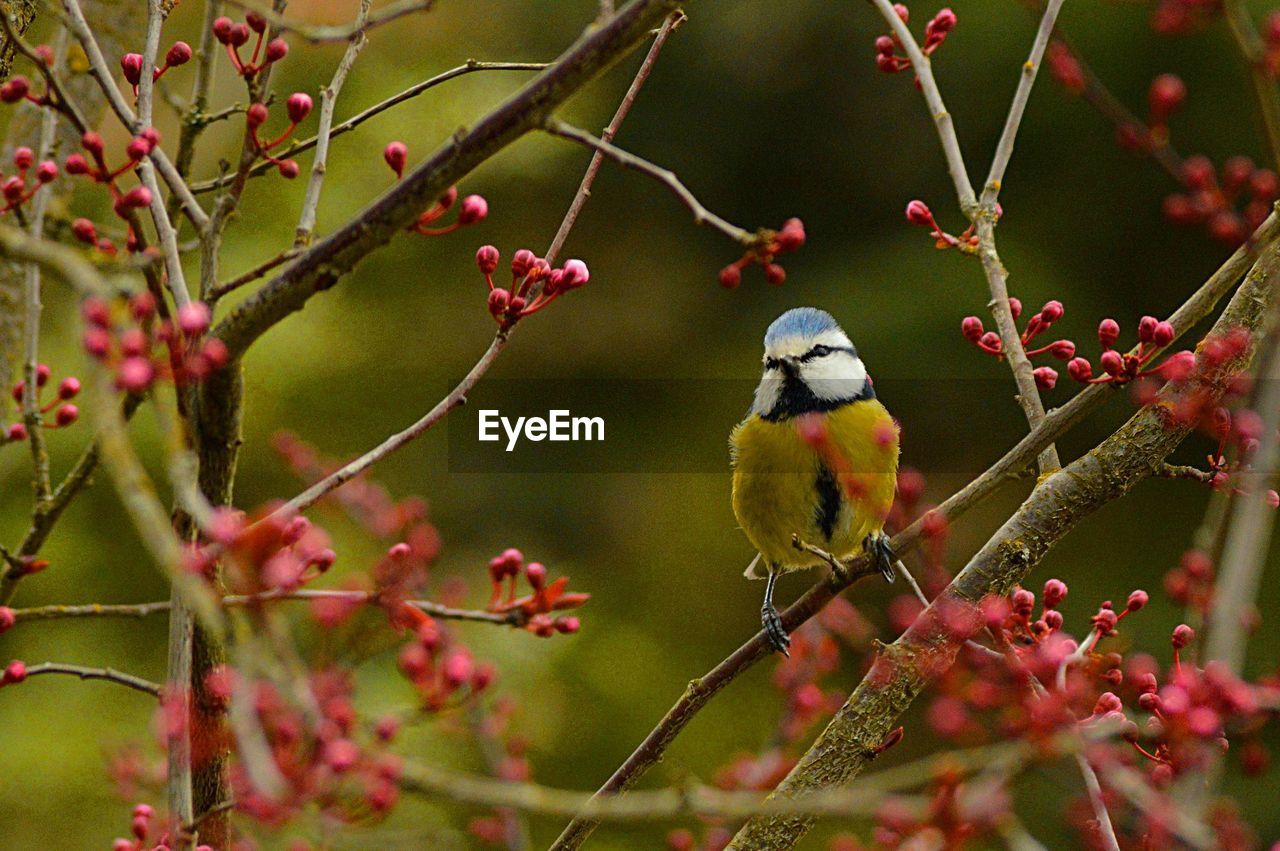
<point>142,349</point>
<point>444,675</point>
<point>474,208</point>
<point>919,214</point>
<point>935,33</point>
<point>1122,367</point>
<point>1230,202</point>
<point>19,188</point>
<point>274,554</point>
<point>772,244</point>
<point>298,107</point>
<point>140,826</point>
<point>535,608</point>
<point>328,760</point>
<point>124,202</point>
<point>18,88</point>
<point>534,284</point>
<point>989,342</point>
<point>236,35</point>
<point>131,63</point>
<point>66,413</point>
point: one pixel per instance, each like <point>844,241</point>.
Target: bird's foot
<point>877,546</point>
<point>773,629</point>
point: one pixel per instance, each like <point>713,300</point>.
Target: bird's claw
<point>774,631</point>
<point>877,546</point>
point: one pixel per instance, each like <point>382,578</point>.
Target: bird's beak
<point>790,367</point>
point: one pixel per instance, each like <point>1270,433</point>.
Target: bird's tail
<point>753,570</point>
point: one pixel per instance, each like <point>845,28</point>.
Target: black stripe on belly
<point>828,509</point>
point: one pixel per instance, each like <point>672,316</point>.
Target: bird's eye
<point>820,351</point>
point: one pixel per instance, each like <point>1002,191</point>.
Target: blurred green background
<point>767,111</point>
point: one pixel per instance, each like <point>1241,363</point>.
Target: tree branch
<point>106,674</point>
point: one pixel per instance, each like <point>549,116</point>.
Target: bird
<point>815,459</point>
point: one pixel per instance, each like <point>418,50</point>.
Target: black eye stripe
<point>816,352</point>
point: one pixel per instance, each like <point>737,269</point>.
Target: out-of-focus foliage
<point>766,110</point>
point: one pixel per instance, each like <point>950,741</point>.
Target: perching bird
<point>816,457</point>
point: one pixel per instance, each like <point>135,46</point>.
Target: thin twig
<point>106,674</point>
<point>328,100</point>
<point>1253,51</point>
<point>1099,804</point>
<point>252,275</point>
<point>359,118</point>
<point>701,215</point>
<point>1184,471</point>
<point>319,35</point>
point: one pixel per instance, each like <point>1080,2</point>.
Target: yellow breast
<point>783,487</point>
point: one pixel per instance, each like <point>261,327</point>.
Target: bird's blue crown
<point>800,322</point>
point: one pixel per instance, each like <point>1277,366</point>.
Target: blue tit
<point>784,486</point>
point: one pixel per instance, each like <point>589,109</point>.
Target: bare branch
<point>701,215</point>
<point>317,35</point>
<point>359,118</point>
<point>252,275</point>
<point>105,674</point>
<point>1099,804</point>
<point>328,100</point>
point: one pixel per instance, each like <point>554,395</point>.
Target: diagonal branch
<point>106,674</point>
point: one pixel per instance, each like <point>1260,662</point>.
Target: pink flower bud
<point>791,237</point>
<point>7,619</point>
<point>990,341</point>
<point>17,431</point>
<point>1112,362</point>
<point>256,115</point>
<point>15,672</point>
<point>474,209</point>
<point>15,90</point>
<point>458,668</point>
<point>1107,702</point>
<point>131,64</point>
<point>137,197</point>
<point>943,22</point>
<point>1051,312</point>
<point>193,318</point>
<point>396,154</point>
<point>536,573</point>
<point>298,106</point>
<point>222,29</point>
<point>97,342</point>
<point>23,158</point>
<point>730,277</point>
<point>288,169</point>
<point>1163,334</point>
<point>499,301</point>
<point>277,49</point>
<point>66,415</point>
<point>13,189</point>
<point>575,274</point>
<point>1198,172</point>
<point>83,230</point>
<point>47,171</point>
<point>1179,366</point>
<point>1046,377</point>
<point>179,54</point>
<point>1182,636</point>
<point>137,149</point>
<point>1055,591</point>
<point>1108,333</point>
<point>568,625</point>
<point>1147,329</point>
<point>487,258</point>
<point>141,307</point>
<point>1166,94</point>
<point>1023,601</point>
<point>239,35</point>
<point>1137,600</point>
<point>1063,349</point>
<point>971,328</point>
<point>76,164</point>
<point>775,274</point>
<point>215,352</point>
<point>885,45</point>
<point>341,754</point>
<point>135,374</point>
<point>918,214</point>
<point>1015,307</point>
<point>902,12</point>
<point>69,387</point>
<point>255,21</point>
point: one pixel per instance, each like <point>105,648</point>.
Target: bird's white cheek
<point>835,377</point>
<point>767,392</point>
